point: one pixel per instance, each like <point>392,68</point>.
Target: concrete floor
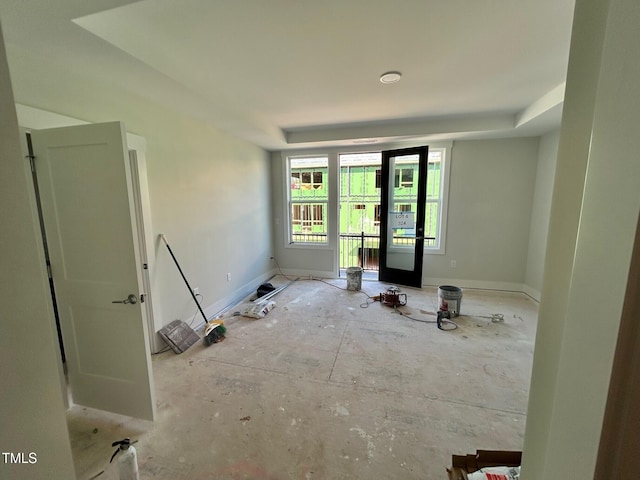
<point>324,389</point>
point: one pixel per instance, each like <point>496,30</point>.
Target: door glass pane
<point>403,200</point>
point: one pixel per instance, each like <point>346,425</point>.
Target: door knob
<point>130,299</point>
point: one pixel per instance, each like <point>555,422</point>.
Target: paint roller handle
<point>193,295</point>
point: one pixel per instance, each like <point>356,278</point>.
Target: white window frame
<point>311,201</point>
<point>332,154</point>
<point>442,201</point>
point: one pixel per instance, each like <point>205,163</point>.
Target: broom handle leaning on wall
<point>193,295</point>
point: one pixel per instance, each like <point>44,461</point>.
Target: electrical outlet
<point>196,291</point>
<point>229,277</point>
<point>453,264</point>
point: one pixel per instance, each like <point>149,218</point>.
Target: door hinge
<point>32,163</point>
<point>145,266</point>
<point>49,274</point>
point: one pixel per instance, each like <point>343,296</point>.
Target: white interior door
<point>87,203</point>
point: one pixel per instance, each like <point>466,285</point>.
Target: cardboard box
<point>461,465</point>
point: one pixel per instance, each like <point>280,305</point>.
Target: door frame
<point>142,206</point>
<point>413,277</point>
<point>113,143</point>
<point>617,453</point>
<point>29,119</point>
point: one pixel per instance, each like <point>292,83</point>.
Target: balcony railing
<point>359,249</point>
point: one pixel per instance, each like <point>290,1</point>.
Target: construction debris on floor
<point>178,335</point>
<point>331,385</point>
<point>486,465</point>
<point>257,310</point>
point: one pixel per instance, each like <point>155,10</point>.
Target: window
<point>358,187</point>
<point>403,178</point>
<point>436,206</point>
<point>376,215</point>
<point>307,216</point>
<point>308,199</point>
<point>306,180</point>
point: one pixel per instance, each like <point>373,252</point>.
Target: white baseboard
<point>481,284</point>
<point>234,298</point>
<point>308,273</point>
<point>436,281</point>
<point>535,294</point>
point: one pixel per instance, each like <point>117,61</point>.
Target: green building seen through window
<point>359,195</point>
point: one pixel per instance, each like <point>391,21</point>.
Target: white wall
<point>594,215</point>
<point>490,200</point>
<point>31,407</point>
<point>210,196</point>
<point>298,260</point>
<point>547,156</point>
<point>209,191</point>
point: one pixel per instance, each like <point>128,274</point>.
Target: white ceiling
<point>294,73</point>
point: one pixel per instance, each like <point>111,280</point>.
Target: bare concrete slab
<point>324,388</point>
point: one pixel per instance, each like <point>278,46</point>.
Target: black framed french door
<point>403,192</point>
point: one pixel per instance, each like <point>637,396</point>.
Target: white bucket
<point>354,278</point>
<point>449,299</point>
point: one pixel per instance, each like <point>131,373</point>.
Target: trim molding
<point>534,294</point>
<point>236,297</point>
<point>481,284</point>
<point>292,272</point>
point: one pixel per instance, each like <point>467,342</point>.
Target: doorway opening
<point>96,260</point>
<point>34,177</point>
<point>359,216</point>
<point>403,201</point>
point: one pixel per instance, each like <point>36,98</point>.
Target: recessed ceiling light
<point>390,77</point>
